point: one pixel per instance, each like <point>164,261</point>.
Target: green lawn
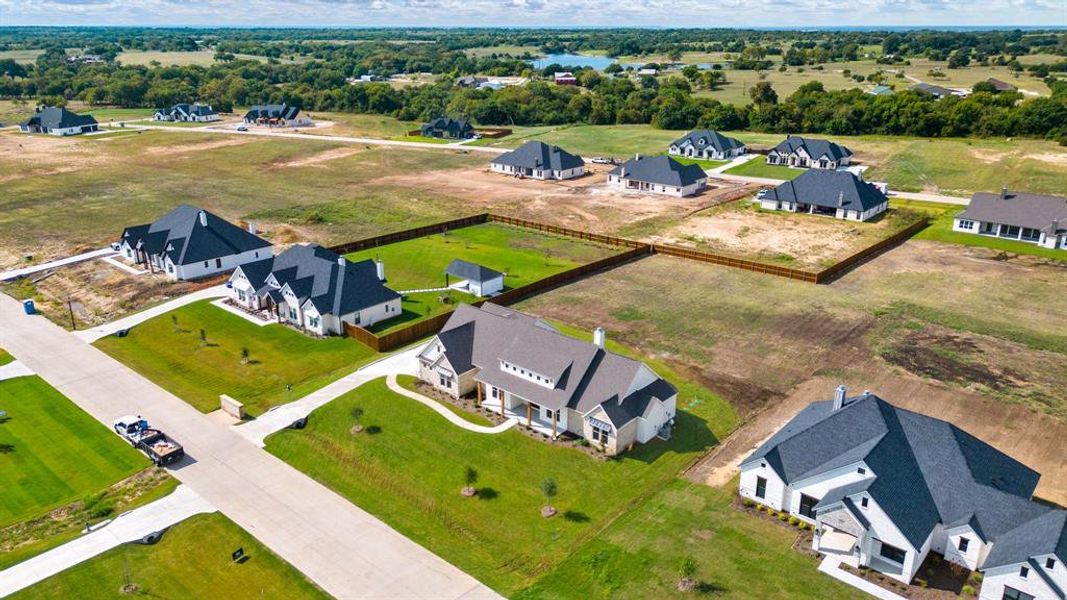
<point>422,139</point>
<point>758,167</point>
<point>409,473</point>
<point>191,561</point>
<point>175,358</point>
<point>52,452</point>
<point>524,256</point>
<point>940,230</point>
<point>703,164</point>
<point>5,357</point>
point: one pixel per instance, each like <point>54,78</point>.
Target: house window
<point>892,553</point>
<point>1009,231</point>
<point>761,487</point>
<point>241,295</point>
<point>218,263</point>
<point>807,506</point>
<point>966,224</point>
<point>963,544</point>
<point>205,264</point>
<point>600,435</point>
<point>861,471</point>
<point>1024,571</point>
<point>1031,235</point>
<point>313,322</point>
<point>863,502</point>
<point>292,314</point>
<point>446,380</point>
<point>1050,563</point>
<point>1011,593</point>
<point>493,392</point>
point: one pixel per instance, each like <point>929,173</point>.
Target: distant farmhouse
<point>796,151</point>
<point>1033,218</point>
<point>520,366</point>
<point>448,129</point>
<point>708,145</point>
<point>315,289</point>
<point>659,175</point>
<point>473,278</point>
<point>880,90</point>
<point>492,83</point>
<point>884,487</point>
<point>565,78</point>
<point>55,120</point>
<point>938,91</point>
<point>539,160</point>
<point>189,243</point>
<point>280,115</point>
<point>840,194</point>
<point>189,113</point>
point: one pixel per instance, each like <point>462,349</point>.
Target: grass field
<point>5,357</point>
<point>362,125</point>
<point>53,452</point>
<point>199,57</point>
<point>704,164</point>
<point>484,51</point>
<point>21,56</point>
<point>758,167</point>
<point>524,256</point>
<point>174,358</point>
<point>12,113</point>
<point>192,560</point>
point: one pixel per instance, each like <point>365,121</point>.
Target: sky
<point>530,13</point>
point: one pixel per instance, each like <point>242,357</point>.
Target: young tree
<point>686,573</point>
<point>203,337</point>
<point>470,477</point>
<point>548,490</point>
<point>244,355</point>
<point>762,93</point>
<point>357,415</point>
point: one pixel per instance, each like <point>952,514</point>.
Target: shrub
<point>747,502</point>
<point>968,591</point>
<point>793,520</point>
<point>975,577</point>
<point>759,507</point>
<point>783,517</point>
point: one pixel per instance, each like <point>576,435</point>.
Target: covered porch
<point>541,419</point>
<point>839,544</point>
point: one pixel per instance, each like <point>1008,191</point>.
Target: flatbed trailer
<point>159,448</point>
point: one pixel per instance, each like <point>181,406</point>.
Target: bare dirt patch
<point>184,150</point>
<point>319,158</point>
<point>37,155</point>
<point>1059,159</point>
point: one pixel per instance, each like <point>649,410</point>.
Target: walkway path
<point>14,369</point>
<point>447,414</point>
<point>181,504</point>
<point>832,567</point>
<point>342,548</point>
<point>94,333</point>
<point>735,161</point>
<point>12,274</point>
<point>280,417</point>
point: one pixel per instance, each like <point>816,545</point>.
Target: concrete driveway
<point>345,550</point>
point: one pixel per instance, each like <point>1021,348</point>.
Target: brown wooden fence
<point>409,234</point>
<point>737,263</point>
<point>837,269</point>
<point>574,233</point>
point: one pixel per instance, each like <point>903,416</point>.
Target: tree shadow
<point>709,588</point>
<point>373,430</point>
<point>576,517</point>
<point>487,493</point>
<point>7,448</point>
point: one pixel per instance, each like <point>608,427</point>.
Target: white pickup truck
<point>154,443</point>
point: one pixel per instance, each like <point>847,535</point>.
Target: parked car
<point>601,160</point>
<point>242,128</point>
<point>762,193</point>
<point>159,448</point>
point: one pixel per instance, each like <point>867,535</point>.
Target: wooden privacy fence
<point>836,269</point>
<point>737,263</point>
<point>574,233</point>
<point>409,234</point>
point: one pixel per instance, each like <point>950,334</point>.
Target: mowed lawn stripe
<point>57,452</point>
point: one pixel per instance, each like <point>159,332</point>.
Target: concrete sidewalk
<point>14,369</point>
<point>345,550</point>
<point>12,274</point>
<point>449,416</point>
<point>94,333</point>
<point>127,527</point>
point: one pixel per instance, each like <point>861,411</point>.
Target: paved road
<point>345,550</point>
<point>94,333</point>
<point>181,504</point>
<point>449,416</point>
<point>6,275</point>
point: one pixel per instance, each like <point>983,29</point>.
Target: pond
<point>576,60</point>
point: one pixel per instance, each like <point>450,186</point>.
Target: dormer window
<point>1024,571</point>
<point>1050,563</point>
<point>863,502</point>
<point>861,471</point>
<point>963,544</point>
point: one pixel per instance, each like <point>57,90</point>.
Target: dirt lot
<point>582,203</point>
<point>770,345</point>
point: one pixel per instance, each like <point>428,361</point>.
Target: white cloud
<point>556,13</point>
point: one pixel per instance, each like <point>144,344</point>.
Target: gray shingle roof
<point>706,138</point>
<point>200,110</point>
<point>272,111</point>
<point>1046,534</point>
<point>185,240</point>
<point>816,148</point>
<point>453,127</point>
<point>933,89</point>
<point>1035,211</point>
<point>55,117</point>
<point>829,189</point>
<point>470,271</point>
<point>539,155</point>
<point>925,470</point>
<point>584,375</point>
<point>662,170</point>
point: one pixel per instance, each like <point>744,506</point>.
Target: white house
<point>191,113</point>
<point>538,160</point>
<point>315,289</point>
<point>281,115</point>
<point>59,121</point>
<point>475,279</point>
<point>708,145</point>
<point>1028,562</point>
<point>1033,218</point>
<point>521,367</point>
<point>884,487</point>
<point>190,243</point>
<point>659,175</point>
<point>796,151</point>
<point>839,194</point>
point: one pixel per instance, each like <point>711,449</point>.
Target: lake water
<point>576,60</point>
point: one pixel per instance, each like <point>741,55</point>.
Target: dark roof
<point>584,375</point>
<point>470,271</point>
<point>334,285</point>
<point>539,155</point>
<point>454,126</point>
<point>706,138</point>
<point>200,110</point>
<point>925,470</point>
<point>55,117</point>
<point>662,170</point>
<point>815,148</point>
<point>272,111</point>
<point>831,189</point>
<point>1047,534</point>
<point>1035,211</point>
<point>1002,86</point>
<point>933,90</point>
<point>181,235</point>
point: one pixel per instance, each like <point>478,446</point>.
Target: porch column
<point>554,424</point>
<point>478,387</point>
<point>500,394</point>
<point>529,415</point>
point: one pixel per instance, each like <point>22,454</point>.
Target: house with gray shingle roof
<point>448,129</point>
<point>56,120</point>
<point>522,367</point>
<point>539,161</point>
<point>659,175</point>
<point>281,115</point>
<point>1035,218</point>
<point>315,289</point>
<point>884,487</point>
<point>474,278</point>
<point>190,243</point>
<point>839,194</point>
<point>193,113</point>
<point>797,151</point>
<point>708,145</point>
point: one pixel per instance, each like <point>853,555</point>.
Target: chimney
<point>839,397</point>
<point>840,199</point>
<point>637,156</point>
<point>1004,193</point>
<point>599,337</point>
<point>381,269</point>
<point>203,219</point>
<point>252,228</point>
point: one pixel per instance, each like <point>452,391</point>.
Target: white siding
<point>996,579</point>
